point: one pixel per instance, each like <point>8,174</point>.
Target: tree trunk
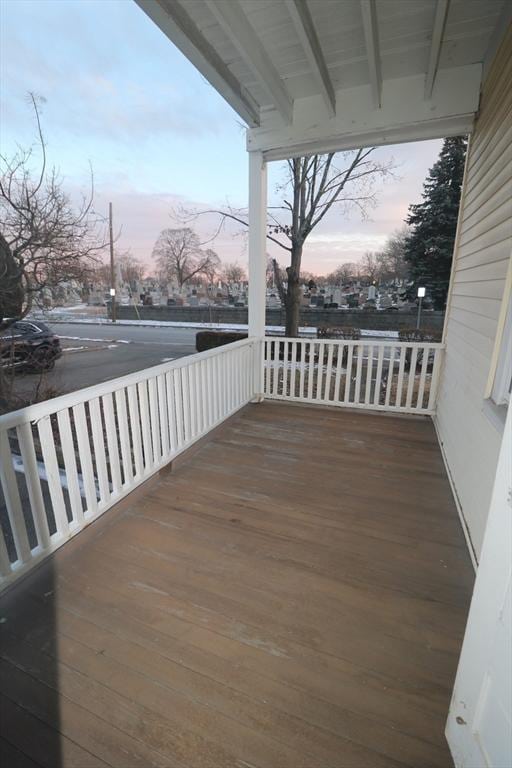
<point>292,309</point>
<point>292,304</point>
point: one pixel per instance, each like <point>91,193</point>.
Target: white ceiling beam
<point>440,15</point>
<point>306,31</point>
<point>371,36</point>
<point>405,115</point>
<point>235,24</point>
<point>174,21</point>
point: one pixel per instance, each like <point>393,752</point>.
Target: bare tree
<point>344,274</point>
<point>44,237</point>
<point>132,269</point>
<point>370,267</point>
<point>312,187</point>
<point>179,256</point>
<point>233,273</point>
<point>392,259</point>
<point>211,266</point>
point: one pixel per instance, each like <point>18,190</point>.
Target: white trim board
<point>404,116</point>
<point>462,519</point>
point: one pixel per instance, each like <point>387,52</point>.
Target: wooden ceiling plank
<point>440,15</point>
<point>235,24</point>
<point>301,17</point>
<point>371,36</point>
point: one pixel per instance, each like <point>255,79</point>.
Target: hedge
<point>414,334</point>
<point>341,332</point>
<point>211,339</point>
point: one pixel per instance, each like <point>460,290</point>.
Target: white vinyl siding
<point>471,440</point>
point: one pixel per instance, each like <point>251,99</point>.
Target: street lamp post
<point>421,294</point>
<point>112,270</point>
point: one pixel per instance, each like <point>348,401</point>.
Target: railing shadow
<point>30,727</point>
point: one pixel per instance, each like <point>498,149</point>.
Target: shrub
<point>413,334</point>
<point>342,332</point>
<point>211,339</point>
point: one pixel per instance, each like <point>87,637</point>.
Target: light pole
<point>421,294</point>
<point>112,269</point>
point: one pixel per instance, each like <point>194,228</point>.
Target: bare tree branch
<point>45,238</point>
<point>317,183</point>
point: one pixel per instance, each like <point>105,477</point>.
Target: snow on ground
<point>17,463</point>
<point>104,341</point>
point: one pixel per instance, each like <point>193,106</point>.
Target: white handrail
<point>371,374</point>
<point>65,461</point>
<point>34,412</point>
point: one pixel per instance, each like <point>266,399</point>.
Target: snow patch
<point>105,341</point>
<point>17,463</point>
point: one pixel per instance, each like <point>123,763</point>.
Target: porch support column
<point>257,260</point>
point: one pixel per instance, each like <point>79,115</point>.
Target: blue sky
<point>120,95</point>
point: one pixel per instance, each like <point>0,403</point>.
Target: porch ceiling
<point>313,75</point>
<point>293,595</point>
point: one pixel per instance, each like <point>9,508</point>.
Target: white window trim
<point>503,377</point>
<point>499,383</point>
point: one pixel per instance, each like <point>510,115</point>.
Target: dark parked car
<point>28,345</point>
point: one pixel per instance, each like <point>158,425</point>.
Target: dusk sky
<point>120,95</point>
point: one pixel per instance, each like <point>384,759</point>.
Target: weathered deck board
<point>293,595</point>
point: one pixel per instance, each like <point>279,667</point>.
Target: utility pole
<point>112,270</point>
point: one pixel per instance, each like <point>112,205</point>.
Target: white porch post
<point>257,260</point>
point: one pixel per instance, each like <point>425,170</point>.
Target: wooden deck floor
<point>293,595</point>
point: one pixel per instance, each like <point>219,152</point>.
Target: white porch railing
<point>375,375</point>
<point>65,461</point>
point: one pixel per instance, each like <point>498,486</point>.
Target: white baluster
<point>124,438</point>
<point>147,443</point>
<point>369,371</point>
<point>12,500</point>
<point>401,369</point>
<point>359,373</point>
<point>328,373</point>
<point>348,375</point>
<point>378,376</point>
<point>84,454</point>
<point>163,416</point>
<point>112,444</point>
<point>154,420</point>
<point>340,348</point>
<point>412,377</point>
<point>99,449</point>
<point>68,453</point>
<point>133,409</point>
<point>28,454</point>
<point>391,373</point>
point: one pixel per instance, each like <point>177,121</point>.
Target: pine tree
<point>429,246</point>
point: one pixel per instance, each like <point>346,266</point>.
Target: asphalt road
<point>97,353</point>
<point>93,353</point>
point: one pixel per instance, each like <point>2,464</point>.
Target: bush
<point>211,339</point>
<point>413,334</point>
<point>427,337</point>
<point>343,332</point>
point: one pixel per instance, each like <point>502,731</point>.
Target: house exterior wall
<point>469,437</point>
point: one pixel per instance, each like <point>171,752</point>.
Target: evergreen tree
<point>429,246</point>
